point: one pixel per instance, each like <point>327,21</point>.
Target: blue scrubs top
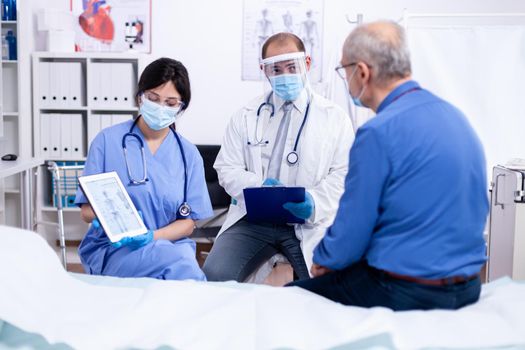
<point>158,199</point>
<point>415,200</point>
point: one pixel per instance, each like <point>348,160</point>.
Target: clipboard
<point>265,204</point>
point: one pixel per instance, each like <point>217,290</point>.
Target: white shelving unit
<point>10,130</point>
<point>75,95</point>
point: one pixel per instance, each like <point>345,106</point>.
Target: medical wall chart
<point>262,18</point>
<point>112,25</point>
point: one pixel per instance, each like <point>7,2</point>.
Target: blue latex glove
<point>136,241</point>
<point>95,223</point>
<point>272,182</point>
<point>302,210</point>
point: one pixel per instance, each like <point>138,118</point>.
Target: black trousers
<point>363,285</point>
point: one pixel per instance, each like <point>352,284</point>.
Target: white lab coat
<point>323,163</point>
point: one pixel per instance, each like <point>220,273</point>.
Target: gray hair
<point>383,46</point>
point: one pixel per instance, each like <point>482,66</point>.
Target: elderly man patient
<point>408,233</point>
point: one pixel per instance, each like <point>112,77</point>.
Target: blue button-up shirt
<point>415,200</point>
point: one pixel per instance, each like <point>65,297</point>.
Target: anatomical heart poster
<point>112,25</point>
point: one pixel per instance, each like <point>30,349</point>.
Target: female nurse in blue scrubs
<point>157,167</point>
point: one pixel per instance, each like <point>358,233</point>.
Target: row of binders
<point>61,136</point>
<point>109,84</point>
<point>112,84</point>
<point>61,85</point>
<point>97,122</point>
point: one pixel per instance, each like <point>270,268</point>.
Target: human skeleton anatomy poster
<point>112,25</point>
<point>262,18</point>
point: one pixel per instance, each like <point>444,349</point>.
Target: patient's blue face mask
<point>287,86</point>
<point>356,100</point>
<point>158,117</point>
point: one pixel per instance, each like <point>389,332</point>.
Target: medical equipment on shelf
<point>293,157</point>
<point>184,209</point>
<point>68,182</point>
<point>506,243</point>
<point>65,179</point>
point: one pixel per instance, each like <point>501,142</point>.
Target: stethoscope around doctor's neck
<point>292,158</point>
<point>184,209</point>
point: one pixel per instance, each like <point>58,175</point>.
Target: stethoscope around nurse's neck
<point>184,209</point>
<point>293,157</point>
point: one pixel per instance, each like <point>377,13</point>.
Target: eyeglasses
<point>170,101</point>
<point>340,69</point>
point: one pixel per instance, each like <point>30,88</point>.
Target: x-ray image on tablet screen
<point>112,205</point>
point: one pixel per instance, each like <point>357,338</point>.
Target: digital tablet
<point>112,206</point>
<point>265,204</point>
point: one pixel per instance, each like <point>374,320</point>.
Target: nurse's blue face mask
<point>287,86</point>
<point>157,116</point>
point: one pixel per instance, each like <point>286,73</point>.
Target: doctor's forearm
<point>176,230</point>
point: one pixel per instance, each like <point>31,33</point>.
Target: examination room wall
<point>206,35</point>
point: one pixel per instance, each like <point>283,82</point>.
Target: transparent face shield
<point>287,75</point>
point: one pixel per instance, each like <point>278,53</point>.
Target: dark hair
<point>281,39</point>
<point>160,72</point>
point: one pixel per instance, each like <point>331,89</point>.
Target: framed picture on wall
<point>112,25</point>
<point>263,18</point>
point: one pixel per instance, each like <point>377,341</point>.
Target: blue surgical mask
<point>287,86</point>
<point>158,117</point>
<point>357,100</point>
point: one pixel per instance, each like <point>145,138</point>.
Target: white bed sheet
<point>90,312</point>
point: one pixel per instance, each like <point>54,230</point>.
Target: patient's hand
<point>318,270</point>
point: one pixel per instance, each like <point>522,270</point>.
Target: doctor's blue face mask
<point>157,116</point>
<point>287,86</point>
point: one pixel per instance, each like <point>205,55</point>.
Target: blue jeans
<point>365,286</point>
<point>245,246</point>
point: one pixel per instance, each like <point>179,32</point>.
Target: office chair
<point>206,231</point>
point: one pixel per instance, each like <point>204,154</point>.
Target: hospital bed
<point>42,306</point>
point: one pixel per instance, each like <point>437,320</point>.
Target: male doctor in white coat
<point>290,136</point>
